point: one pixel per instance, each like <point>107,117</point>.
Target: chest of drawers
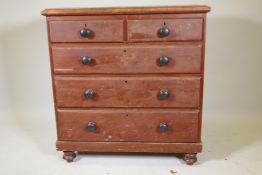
<point>128,79</point>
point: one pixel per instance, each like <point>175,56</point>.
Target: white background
<point>232,118</point>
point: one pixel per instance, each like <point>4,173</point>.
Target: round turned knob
<point>89,94</point>
<point>163,60</point>
<point>163,94</point>
<point>163,32</point>
<point>163,127</point>
<point>85,33</point>
<point>86,60</point>
<point>91,126</point>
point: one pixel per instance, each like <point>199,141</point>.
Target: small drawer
<point>128,125</point>
<point>141,30</point>
<point>86,31</point>
<point>127,91</point>
<point>123,59</point>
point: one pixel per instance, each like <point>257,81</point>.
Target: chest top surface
<point>125,10</point>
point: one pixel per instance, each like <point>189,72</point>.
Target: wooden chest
<point>128,79</point>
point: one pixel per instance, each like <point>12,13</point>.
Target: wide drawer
<point>127,91</point>
<point>179,29</point>
<point>129,59</point>
<point>129,125</point>
<point>92,31</point>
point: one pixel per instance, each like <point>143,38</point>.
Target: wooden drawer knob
<point>163,32</point>
<point>163,94</point>
<point>86,60</point>
<point>85,33</point>
<point>163,127</point>
<point>91,126</point>
<point>163,60</point>
<point>89,93</point>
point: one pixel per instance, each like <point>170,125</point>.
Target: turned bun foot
<point>69,156</point>
<point>190,158</point>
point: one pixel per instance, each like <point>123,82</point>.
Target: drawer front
<point>127,59</point>
<point>178,29</point>
<point>128,125</point>
<point>92,31</point>
<point>127,91</point>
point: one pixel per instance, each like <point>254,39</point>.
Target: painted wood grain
<point>129,125</point>
<point>126,10</point>
<point>128,91</point>
<point>127,59</point>
<point>180,29</point>
<point>137,147</point>
<point>102,31</point>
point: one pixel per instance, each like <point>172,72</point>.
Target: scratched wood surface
<point>102,31</point>
<point>130,147</point>
<point>126,78</point>
<point>180,29</point>
<point>128,91</point>
<point>125,10</point>
<point>128,125</point>
<point>127,59</point>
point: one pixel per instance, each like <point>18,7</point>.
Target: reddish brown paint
<point>137,147</point>
<point>180,29</point>
<point>126,10</point>
<point>122,59</point>
<point>129,125</point>
<point>103,31</point>
<point>124,50</point>
<point>128,91</point>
